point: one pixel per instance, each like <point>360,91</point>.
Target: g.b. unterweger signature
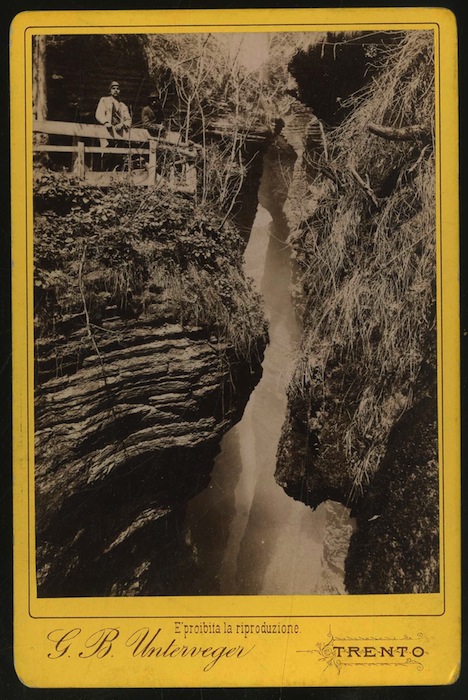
<point>143,643</point>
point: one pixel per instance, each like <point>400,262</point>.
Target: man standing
<point>111,111</point>
<point>152,116</point>
<point>114,114</point>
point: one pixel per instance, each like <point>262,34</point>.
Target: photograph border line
<point>29,238</point>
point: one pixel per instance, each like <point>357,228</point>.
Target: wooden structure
<point>135,155</point>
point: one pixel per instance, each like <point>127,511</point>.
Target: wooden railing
<point>133,154</point>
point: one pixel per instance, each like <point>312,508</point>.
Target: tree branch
<point>331,174</point>
<point>365,184</point>
<point>405,133</point>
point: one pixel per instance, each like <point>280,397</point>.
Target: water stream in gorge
<point>246,534</point>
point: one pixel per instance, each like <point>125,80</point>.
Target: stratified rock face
<point>396,546</point>
<point>122,443</point>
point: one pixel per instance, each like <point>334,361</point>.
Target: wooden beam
<point>165,146</point>
<point>79,164</point>
<point>191,178</point>
<point>152,164</point>
<point>406,133</point>
<point>88,130</point>
<point>39,77</point>
<point>183,157</point>
<point>98,131</point>
<point>91,149</point>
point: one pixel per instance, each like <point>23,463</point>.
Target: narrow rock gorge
<point>235,388</point>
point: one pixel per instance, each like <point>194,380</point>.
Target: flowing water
<point>247,535</point>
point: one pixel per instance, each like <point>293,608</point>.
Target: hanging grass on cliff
<point>128,248</point>
<point>365,244</point>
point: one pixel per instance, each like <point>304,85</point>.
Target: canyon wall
<point>121,445</point>
<point>362,405</point>
<point>135,385</point>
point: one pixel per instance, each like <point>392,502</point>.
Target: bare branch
<point>406,133</point>
<point>365,184</point>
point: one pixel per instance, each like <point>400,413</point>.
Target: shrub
<point>125,241</point>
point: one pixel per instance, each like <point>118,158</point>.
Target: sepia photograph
<point>235,326</point>
<point>236,332</point>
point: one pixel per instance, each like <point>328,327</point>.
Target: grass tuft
<point>368,269</point>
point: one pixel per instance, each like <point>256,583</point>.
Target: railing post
<point>172,169</point>
<point>179,168</point>
<point>152,162</point>
<point>191,176</point>
<point>79,164</point>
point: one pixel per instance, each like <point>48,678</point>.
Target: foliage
<point>201,79</point>
<point>62,194</point>
<point>368,267</point>
<point>128,244</point>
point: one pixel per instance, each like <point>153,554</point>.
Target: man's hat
<point>114,82</point>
